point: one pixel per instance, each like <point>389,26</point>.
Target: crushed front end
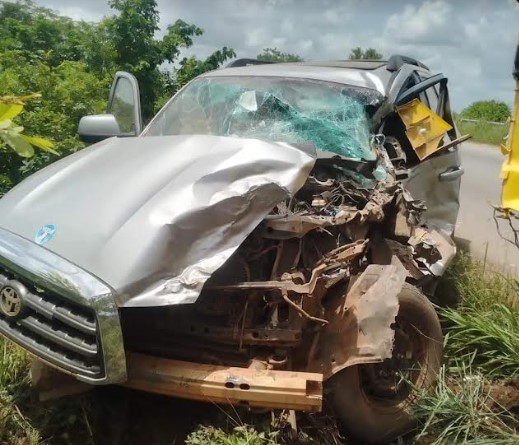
<point>312,290</point>
<point>296,302</point>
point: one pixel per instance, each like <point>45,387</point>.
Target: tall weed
<point>460,410</point>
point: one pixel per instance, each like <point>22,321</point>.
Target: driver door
<point>437,178</point>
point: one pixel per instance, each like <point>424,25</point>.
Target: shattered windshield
<point>334,117</point>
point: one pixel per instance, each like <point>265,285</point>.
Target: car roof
<point>353,64</point>
<point>367,78</point>
<point>373,74</point>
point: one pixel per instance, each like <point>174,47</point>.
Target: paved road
<point>480,188</point>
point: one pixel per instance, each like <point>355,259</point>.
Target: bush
<point>240,435</point>
<point>487,110</point>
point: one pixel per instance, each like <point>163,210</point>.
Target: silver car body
<point>154,217</point>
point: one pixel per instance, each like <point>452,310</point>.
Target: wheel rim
<point>389,383</point>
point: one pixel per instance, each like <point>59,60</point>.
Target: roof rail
<point>246,62</point>
<point>396,61</point>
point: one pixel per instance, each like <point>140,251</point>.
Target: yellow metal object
<point>424,128</point>
<point>510,170</point>
<point>264,388</point>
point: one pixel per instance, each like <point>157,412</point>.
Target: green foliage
<point>190,67</point>
<point>31,28</point>
<point>24,422</point>
<point>468,285</point>
<point>11,134</point>
<point>240,435</point>
<point>14,363</point>
<point>367,54</point>
<point>136,49</point>
<point>491,335</point>
<point>15,146</point>
<point>69,91</point>
<point>487,110</point>
<point>14,427</point>
<point>483,132</point>
<point>485,324</point>
<point>470,402</point>
<point>275,55</point>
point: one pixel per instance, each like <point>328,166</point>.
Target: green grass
<point>14,366</point>
<point>471,401</point>
<point>485,322</point>
<point>461,410</point>
<point>491,336</point>
<point>26,421</point>
<point>14,427</point>
<point>483,131</point>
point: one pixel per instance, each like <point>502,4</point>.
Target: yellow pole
<point>510,170</point>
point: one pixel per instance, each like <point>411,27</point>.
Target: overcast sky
<point>471,41</point>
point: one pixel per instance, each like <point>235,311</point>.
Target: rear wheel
<point>372,402</point>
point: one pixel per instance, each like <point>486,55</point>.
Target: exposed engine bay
<point>281,300</point>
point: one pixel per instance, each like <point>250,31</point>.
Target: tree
<point>32,29</point>
<point>190,67</point>
<point>11,134</point>
<point>275,55</point>
<point>369,54</point>
<point>132,32</point>
<point>487,110</point>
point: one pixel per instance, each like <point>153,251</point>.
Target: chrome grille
<point>55,329</point>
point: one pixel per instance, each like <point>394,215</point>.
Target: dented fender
<point>360,326</point>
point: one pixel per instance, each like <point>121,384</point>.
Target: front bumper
<point>68,317</point>
<point>261,388</point>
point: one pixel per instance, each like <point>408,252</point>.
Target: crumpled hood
<point>154,217</point>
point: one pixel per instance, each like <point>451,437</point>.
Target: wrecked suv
<point>274,227</point>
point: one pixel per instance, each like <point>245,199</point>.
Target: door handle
<point>452,174</point>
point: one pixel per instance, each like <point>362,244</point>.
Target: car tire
<point>380,415</point>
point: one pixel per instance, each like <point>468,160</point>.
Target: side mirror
<point>97,127</point>
<point>123,113</point>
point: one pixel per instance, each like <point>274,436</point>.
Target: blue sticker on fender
<point>45,234</point>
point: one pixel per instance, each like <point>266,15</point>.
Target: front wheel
<point>372,402</point>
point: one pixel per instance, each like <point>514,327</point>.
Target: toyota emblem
<point>11,302</point>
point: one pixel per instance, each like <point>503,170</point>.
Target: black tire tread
<point>361,418</point>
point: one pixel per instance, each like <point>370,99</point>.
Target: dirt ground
<point>506,395</point>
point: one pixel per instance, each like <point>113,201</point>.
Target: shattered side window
<point>333,117</point>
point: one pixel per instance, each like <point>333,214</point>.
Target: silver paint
<point>154,217</point>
